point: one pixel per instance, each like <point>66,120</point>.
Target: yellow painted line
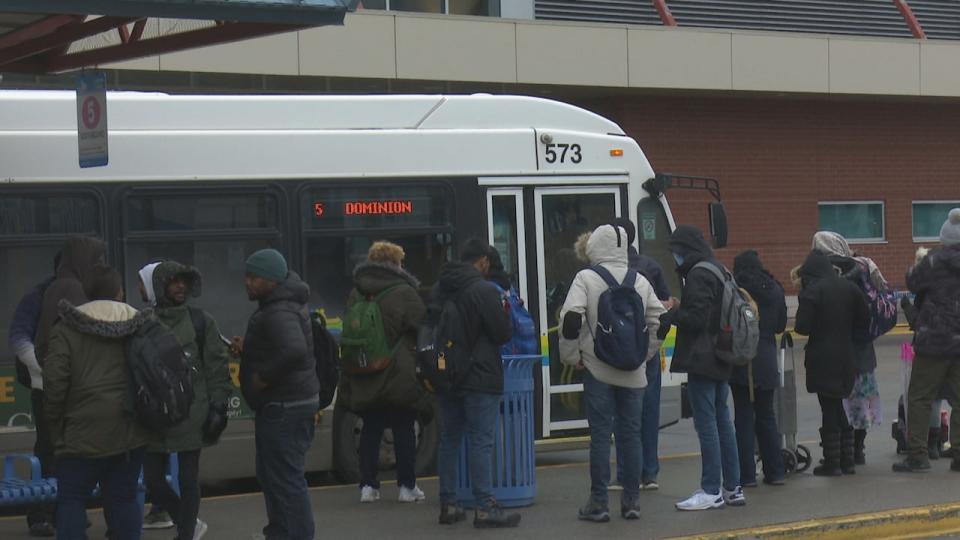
<point>905,523</point>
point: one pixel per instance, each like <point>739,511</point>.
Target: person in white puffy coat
<point>609,392</point>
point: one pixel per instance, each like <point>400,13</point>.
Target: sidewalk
<point>562,488</point>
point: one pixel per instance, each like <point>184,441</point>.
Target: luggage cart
<point>796,457</point>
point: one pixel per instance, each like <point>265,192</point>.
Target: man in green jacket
<point>96,437</point>
<point>172,283</point>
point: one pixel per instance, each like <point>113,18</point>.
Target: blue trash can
<point>514,463</point>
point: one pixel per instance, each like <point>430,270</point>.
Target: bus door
<point>536,242</point>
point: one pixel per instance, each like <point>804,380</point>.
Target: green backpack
<point>364,347</point>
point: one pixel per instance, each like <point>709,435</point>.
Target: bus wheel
<point>346,441</point>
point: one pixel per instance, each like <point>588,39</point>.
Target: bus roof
<point>32,110</point>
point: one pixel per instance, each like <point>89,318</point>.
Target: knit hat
<point>950,232</point>
<point>268,264</point>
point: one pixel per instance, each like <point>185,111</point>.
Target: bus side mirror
<point>718,224</point>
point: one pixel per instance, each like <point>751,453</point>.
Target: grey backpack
<point>739,320</point>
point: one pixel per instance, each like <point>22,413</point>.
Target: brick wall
<point>777,157</point>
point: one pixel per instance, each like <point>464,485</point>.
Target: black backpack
<point>161,376</point>
<point>444,353</point>
<point>326,354</point>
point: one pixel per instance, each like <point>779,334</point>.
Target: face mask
<point>678,258</point>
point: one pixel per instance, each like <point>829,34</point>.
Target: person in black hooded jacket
<point>754,417</point>
<point>831,309</point>
<point>698,323</point>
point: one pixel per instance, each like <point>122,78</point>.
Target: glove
<point>215,423</point>
<point>666,321</point>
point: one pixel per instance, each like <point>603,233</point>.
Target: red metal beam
<point>124,33</point>
<point>202,37</point>
<point>64,36</point>
<point>664,10</point>
<point>38,29</point>
<point>910,19</point>
<point>138,28</point>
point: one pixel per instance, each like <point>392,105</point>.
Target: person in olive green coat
<point>392,397</point>
<point>172,283</point>
<point>87,402</point>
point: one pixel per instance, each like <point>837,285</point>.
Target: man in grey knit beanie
<point>950,232</point>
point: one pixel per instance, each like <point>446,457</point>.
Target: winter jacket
<point>698,317</point>
<point>769,296</point>
<point>87,394</point>
<point>72,282</point>
<point>852,270</point>
<point>937,281</point>
<point>279,347</point>
<point>401,310</point>
<point>487,323</point>
<point>651,269</point>
<point>605,248</point>
<point>23,333</point>
<point>831,309</point>
<point>211,375</point>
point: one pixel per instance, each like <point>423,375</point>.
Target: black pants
<point>834,417</point>
<point>400,420</point>
<point>756,421</point>
<point>43,449</point>
<point>182,509</point>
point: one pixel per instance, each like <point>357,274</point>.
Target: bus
<point>208,179</point>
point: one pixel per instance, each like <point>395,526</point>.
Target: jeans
<point>929,375</point>
<point>718,441</point>
<point>43,450</point>
<point>283,437</point>
<point>185,507</point>
<point>756,422</point>
<point>117,475</point>
<point>475,414</point>
<point>650,424</point>
<point>607,404</point>
<point>835,418</point>
<point>400,420</point>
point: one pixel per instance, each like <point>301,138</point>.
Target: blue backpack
<point>525,337</point>
<point>621,339</point>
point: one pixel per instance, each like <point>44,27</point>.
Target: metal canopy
<point>37,36</point>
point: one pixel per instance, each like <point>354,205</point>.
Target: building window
<point>857,221</point>
<point>928,217</point>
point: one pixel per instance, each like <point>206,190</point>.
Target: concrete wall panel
<point>780,63</point>
<point>939,69</point>
<point>456,49</point>
<point>673,58</point>
<point>271,55</point>
<point>364,47</point>
<point>571,54</point>
<point>866,66</point>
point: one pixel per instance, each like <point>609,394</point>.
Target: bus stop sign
<point>92,119</point>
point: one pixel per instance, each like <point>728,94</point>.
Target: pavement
<point>874,503</point>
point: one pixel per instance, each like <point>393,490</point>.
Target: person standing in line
<point>863,407</point>
<point>754,416</point>
<point>831,311</point>
<point>649,268</point>
<point>172,284</point>
<point>278,380</point>
<point>473,407</point>
<point>698,323</point>
<point>936,282</point>
<point>22,341</point>
<point>612,394</point>
<point>391,398</point>
<point>87,402</point>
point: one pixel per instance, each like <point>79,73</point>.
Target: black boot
<point>830,441</point>
<point>846,451</point>
<point>859,457</point>
<point>493,517</point>
<point>933,443</point>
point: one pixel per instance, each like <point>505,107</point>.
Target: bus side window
<point>654,234</point>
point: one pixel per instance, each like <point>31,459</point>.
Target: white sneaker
<point>409,495</point>
<point>650,486</point>
<point>735,497</point>
<point>200,529</point>
<point>369,495</point>
<point>701,500</point>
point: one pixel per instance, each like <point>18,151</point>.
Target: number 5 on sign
<point>92,119</point>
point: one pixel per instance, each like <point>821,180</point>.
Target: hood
<point>146,276</point>
<point>752,276</point>
<point>688,242</point>
<point>580,248</point>
<point>102,318</point>
<point>293,289</point>
<point>166,271</point>
<point>816,267</point>
<point>831,243</point>
<point>78,258</point>
<point>607,245</point>
<point>373,277</point>
<point>454,277</point>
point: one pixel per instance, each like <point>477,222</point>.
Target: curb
<point>917,522</point>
